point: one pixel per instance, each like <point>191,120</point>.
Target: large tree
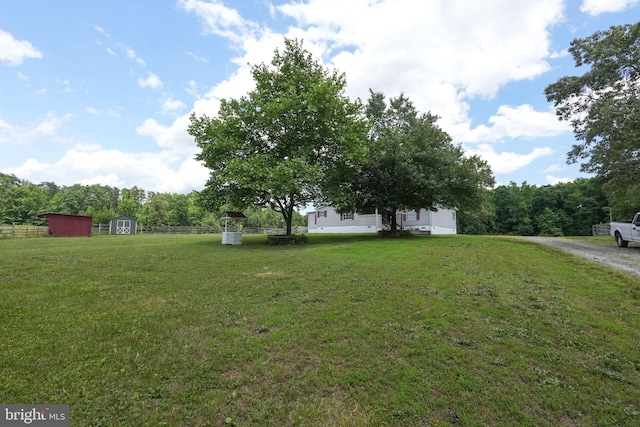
<point>283,144</point>
<point>603,104</point>
<point>413,164</point>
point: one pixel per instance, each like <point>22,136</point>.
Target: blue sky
<point>100,92</point>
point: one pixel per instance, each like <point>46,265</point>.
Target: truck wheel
<point>620,241</point>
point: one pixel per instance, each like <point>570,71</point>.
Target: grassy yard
<point>343,331</point>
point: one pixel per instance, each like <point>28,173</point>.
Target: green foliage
<point>22,201</point>
<point>602,104</point>
<point>280,145</point>
<point>549,223</point>
<point>412,164</point>
<point>568,209</point>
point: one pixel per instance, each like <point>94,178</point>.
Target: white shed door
<point>123,226</point>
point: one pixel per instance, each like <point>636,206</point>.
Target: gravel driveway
<point>627,259</point>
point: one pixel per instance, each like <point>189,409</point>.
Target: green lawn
<point>343,331</point>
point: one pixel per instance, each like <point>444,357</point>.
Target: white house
<point>327,220</point>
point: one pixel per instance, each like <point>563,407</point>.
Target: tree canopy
<point>413,164</point>
<point>603,104</point>
<point>283,144</point>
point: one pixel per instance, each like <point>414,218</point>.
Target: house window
<point>453,216</point>
<point>411,216</point>
<point>348,215</point>
<point>322,214</point>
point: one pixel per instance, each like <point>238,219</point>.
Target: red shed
<point>68,225</point>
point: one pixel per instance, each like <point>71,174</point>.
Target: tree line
<point>567,209</point>
<point>21,201</point>
<point>563,209</point>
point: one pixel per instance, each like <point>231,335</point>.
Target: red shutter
<point>353,216</point>
<point>417,215</point>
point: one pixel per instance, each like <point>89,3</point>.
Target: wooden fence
<point>173,229</point>
<point>13,230</point>
<point>601,229</point>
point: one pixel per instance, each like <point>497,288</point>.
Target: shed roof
<point>48,214</point>
<point>123,216</point>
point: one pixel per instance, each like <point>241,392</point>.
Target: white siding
<point>327,220</point>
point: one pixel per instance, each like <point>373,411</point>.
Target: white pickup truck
<point>626,231</point>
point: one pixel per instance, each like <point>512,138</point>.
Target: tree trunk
<point>288,218</point>
<point>394,221</point>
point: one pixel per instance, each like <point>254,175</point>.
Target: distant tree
<point>624,195</point>
<point>513,206</point>
<point>102,216</point>
<point>412,164</point>
<point>56,203</point>
<point>178,213</point>
<point>481,220</point>
<point>155,210</point>
<point>549,223</point>
<point>603,104</point>
<point>21,204</point>
<point>127,205</point>
<point>50,189</point>
<point>284,143</point>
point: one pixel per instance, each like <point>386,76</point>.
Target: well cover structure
<point>64,225</point>
<point>231,237</point>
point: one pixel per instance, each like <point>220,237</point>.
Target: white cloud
<point>48,126</point>
<point>170,105</point>
<point>65,84</point>
<point>506,162</point>
<point>219,19</point>
<point>91,110</point>
<point>14,51</point>
<point>173,138</point>
<point>597,7</point>
<point>131,54</point>
<point>196,57</point>
<point>521,121</point>
<point>554,168</point>
<point>553,180</point>
<point>452,34</point>
<point>92,164</point>
<point>152,81</point>
<point>448,54</point>
<point>113,113</point>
